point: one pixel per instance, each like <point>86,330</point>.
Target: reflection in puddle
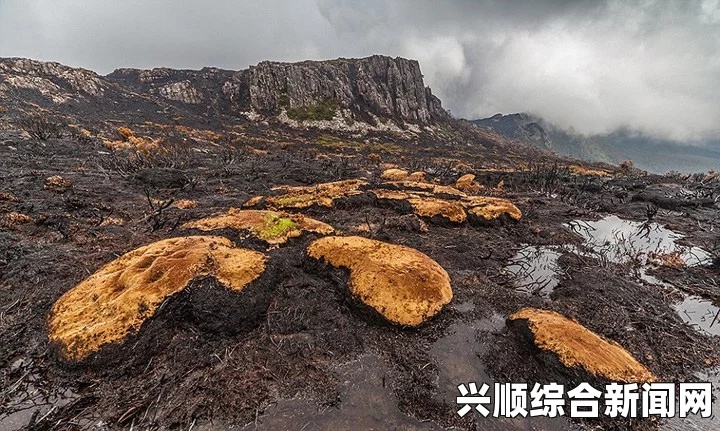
<point>627,242</point>
<point>534,269</point>
<point>700,313</point>
<point>624,241</point>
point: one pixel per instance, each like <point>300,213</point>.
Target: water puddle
<point>641,245</point>
<point>28,402</point>
<point>464,307</point>
<point>623,241</point>
<point>458,356</point>
<point>700,313</point>
<point>366,404</point>
<point>695,422</point>
<point>534,269</point>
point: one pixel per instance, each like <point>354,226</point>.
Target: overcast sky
<point>652,66</point>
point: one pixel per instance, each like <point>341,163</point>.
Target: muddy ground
<point>315,360</point>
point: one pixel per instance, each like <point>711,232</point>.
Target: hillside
<point>653,155</point>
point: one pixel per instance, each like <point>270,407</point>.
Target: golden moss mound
<point>425,204</point>
<point>489,208</point>
<point>391,194</point>
<point>436,189</point>
<point>419,176</point>
<point>577,346</point>
<point>118,298</point>
<point>434,207</point>
<point>402,284</point>
<point>270,226</point>
<point>584,170</point>
<point>466,183</point>
<point>14,218</point>
<point>394,174</point>
<point>672,260</point>
<point>320,194</point>
<point>9,197</point>
<point>185,204</point>
<point>253,201</point>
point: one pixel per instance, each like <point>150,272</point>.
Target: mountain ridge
<point>367,89</point>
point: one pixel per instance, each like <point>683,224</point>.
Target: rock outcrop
<point>190,87</point>
<point>56,82</point>
<point>522,127</point>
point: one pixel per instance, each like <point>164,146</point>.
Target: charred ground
<point>181,369</point>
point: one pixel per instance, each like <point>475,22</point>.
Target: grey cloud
<point>648,65</point>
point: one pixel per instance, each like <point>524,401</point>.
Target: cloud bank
<point>594,66</point>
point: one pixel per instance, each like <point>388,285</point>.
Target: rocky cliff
<point>378,85</point>
<point>365,89</point>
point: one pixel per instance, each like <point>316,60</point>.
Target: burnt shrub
<point>42,126</point>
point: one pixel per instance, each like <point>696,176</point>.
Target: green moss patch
<point>276,227</point>
<point>323,110</point>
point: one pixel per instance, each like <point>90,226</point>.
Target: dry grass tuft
<point>57,184</point>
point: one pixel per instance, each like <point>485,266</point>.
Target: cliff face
<point>377,86</point>
<point>382,86</point>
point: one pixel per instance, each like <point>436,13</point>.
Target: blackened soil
<point>210,355</point>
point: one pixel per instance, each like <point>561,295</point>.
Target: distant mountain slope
<point>654,155</point>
